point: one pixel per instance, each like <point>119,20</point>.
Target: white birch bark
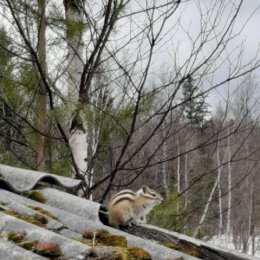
<point>178,166</point>
<point>178,172</point>
<point>219,195</point>
<point>78,132</point>
<point>164,150</point>
<point>205,211</point>
<point>228,230</point>
<point>186,180</point>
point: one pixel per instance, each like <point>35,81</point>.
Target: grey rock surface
<point>10,251</point>
<point>21,180</point>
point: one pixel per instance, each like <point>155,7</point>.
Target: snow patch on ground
<point>227,242</point>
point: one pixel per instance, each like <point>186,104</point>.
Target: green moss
<point>116,244</point>
<point>103,237</point>
<point>41,218</point>
<point>16,237</point>
<point>28,245</point>
<point>35,219</point>
<point>108,253</point>
<point>136,253</point>
<point>35,195</point>
<point>44,212</point>
<point>187,249</point>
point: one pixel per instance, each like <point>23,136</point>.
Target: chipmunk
<point>128,207</point>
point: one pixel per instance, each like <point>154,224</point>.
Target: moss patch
<point>136,253</point>
<point>44,212</point>
<point>108,253</point>
<point>16,237</point>
<point>47,249</point>
<point>51,250</point>
<point>34,219</point>
<point>3,203</point>
<point>35,195</point>
<point>187,249</point>
<point>103,237</point>
<point>28,245</point>
<point>113,243</point>
<point>88,234</point>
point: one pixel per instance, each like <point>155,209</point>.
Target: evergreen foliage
<point>194,107</point>
<point>171,214</point>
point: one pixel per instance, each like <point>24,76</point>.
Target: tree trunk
<point>186,180</point>
<point>205,212</point>
<point>203,217</point>
<point>77,131</point>
<point>178,172</point>
<point>219,195</point>
<point>164,148</point>
<point>41,115</point>
<point>229,189</point>
<point>251,224</point>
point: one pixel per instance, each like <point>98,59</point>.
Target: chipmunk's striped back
<point>122,195</point>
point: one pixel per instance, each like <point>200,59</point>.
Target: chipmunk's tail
<point>103,215</point>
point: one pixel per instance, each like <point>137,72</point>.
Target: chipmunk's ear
<point>144,188</point>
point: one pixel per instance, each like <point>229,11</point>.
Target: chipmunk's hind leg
<point>128,224</point>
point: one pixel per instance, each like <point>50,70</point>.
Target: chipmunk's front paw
<point>142,220</point>
<point>134,222</point>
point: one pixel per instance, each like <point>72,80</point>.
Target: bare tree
<point>42,107</point>
<point>118,43</point>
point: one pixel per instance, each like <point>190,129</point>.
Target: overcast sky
<point>249,17</point>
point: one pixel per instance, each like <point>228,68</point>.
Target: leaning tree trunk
<point>205,211</point>
<point>77,128</point>
<point>42,101</point>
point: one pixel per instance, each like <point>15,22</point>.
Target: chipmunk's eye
<point>154,195</point>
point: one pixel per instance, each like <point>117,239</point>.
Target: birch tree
<point>123,42</point>
<point>77,126</point>
<point>228,230</point>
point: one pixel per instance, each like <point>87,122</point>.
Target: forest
<point>125,93</point>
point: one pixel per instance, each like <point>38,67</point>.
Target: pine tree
<point>194,106</point>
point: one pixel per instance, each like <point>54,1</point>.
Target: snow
<point>227,242</point>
